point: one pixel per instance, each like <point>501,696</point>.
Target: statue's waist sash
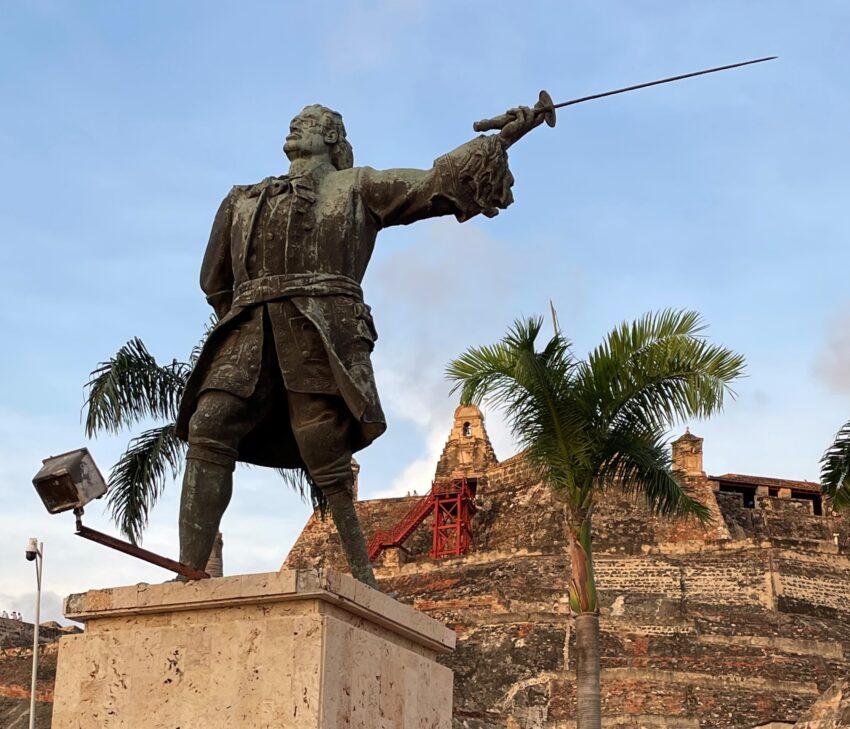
<point>281,286</point>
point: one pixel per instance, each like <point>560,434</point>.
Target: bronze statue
<point>285,378</point>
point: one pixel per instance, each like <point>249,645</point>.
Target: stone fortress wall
<point>742,624</point>
<point>16,672</point>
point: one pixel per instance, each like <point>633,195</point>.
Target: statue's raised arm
<point>472,179</point>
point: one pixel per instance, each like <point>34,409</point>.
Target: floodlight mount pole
<point>135,551</point>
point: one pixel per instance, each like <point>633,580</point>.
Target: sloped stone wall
<point>741,624</point>
<point>831,711</point>
<point>16,672</point>
<point>15,677</point>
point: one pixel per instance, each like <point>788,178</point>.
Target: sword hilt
<point>496,122</point>
<point>543,107</point>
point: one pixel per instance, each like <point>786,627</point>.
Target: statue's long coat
<point>292,253</point>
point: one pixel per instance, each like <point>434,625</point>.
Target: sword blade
<point>662,81</point>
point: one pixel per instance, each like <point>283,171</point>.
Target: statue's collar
<point>301,186</point>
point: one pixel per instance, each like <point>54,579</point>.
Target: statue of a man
<point>285,378</point>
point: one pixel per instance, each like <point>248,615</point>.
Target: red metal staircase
<point>454,506</point>
<point>452,503</point>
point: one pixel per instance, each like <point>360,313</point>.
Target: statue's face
<point>308,137</point>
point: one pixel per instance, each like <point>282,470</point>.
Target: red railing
<point>454,506</point>
<point>441,492</point>
<point>396,536</point>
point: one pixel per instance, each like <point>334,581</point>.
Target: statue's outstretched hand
<point>517,122</point>
<point>522,120</point>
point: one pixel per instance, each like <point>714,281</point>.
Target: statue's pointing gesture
<point>520,120</point>
<point>517,122</point>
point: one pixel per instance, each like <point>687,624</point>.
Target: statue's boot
<point>207,488</point>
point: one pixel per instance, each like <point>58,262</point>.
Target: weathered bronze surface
<point>285,379</point>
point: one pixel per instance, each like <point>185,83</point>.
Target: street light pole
<point>35,553</point>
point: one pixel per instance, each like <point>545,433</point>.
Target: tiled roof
<point>781,483</point>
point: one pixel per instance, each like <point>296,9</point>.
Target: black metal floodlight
<point>69,481</point>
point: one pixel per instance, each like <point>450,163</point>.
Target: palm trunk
<point>584,603</point>
<point>589,715</point>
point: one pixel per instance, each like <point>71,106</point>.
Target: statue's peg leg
<point>546,106</point>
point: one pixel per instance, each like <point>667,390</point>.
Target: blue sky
<point>123,126</point>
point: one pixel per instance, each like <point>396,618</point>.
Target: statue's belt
<point>282,286</point>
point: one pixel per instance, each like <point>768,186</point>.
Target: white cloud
<point>24,603</point>
<point>454,285</point>
<point>417,475</point>
<point>832,365</point>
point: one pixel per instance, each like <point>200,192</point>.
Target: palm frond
<point>639,463</point>
<point>139,477</point>
<point>835,470</point>
<point>533,389</point>
<point>131,386</point>
<point>196,350</point>
<point>659,371</point>
<point>573,416</point>
<point>299,480</point>
<point>628,339</point>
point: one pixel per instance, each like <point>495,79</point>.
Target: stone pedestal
<point>298,649</point>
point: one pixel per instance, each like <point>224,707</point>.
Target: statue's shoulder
<point>349,176</point>
<point>365,177</point>
<point>342,181</point>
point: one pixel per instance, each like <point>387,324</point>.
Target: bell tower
<point>687,454</point>
<point>468,452</point>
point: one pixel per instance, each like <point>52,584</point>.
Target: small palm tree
<point>835,470</point>
<point>127,389</point>
<point>589,425</point>
<point>124,391</point>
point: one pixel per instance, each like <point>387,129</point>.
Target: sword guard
<point>546,106</point>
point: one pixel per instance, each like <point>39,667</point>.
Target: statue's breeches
<point>316,346</point>
<point>320,426</point>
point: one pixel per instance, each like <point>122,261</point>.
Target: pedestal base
<point>290,649</point>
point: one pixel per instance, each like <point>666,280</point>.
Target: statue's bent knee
<point>210,438</point>
<point>213,453</point>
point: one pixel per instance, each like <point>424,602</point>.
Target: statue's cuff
<point>476,178</point>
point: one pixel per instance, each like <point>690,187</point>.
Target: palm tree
<point>589,425</point>
<point>127,389</point>
<point>835,470</point>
